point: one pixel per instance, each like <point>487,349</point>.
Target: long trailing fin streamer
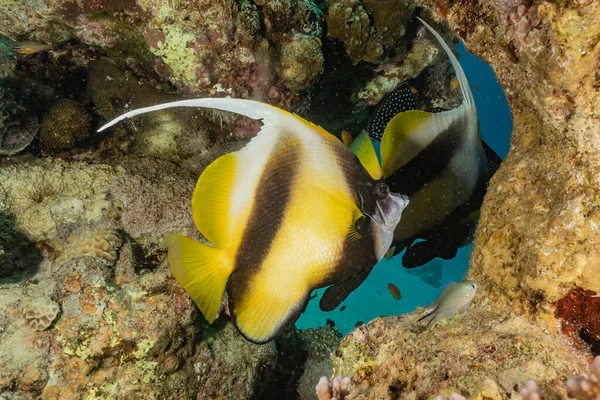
<point>460,74</point>
<point>249,108</point>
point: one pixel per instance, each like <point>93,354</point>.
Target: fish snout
<point>390,210</point>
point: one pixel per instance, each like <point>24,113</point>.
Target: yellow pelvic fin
<point>396,148</point>
<point>268,306</point>
<point>363,148</point>
<point>201,270</point>
<point>212,198</point>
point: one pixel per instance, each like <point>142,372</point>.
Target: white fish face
<point>387,215</point>
<point>461,294</point>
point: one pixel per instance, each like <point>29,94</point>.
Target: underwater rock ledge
<point>480,354</point>
<point>538,237</point>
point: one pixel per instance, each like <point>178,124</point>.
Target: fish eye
<point>382,190</point>
<point>474,286</point>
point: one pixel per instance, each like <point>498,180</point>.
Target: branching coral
<point>338,390</point>
<point>586,387</point>
<point>530,391</point>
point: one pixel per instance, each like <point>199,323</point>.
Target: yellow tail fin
<point>201,270</point>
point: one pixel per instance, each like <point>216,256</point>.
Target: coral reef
<point>364,39</point>
<point>8,60</point>
<point>337,390</point>
<point>40,313</point>
<point>239,48</point>
<point>17,127</point>
<point>102,244</point>
<point>154,197</point>
<point>586,387</point>
<point>50,197</point>
<point>64,125</point>
<point>579,313</point>
<point>320,344</point>
<point>301,61</point>
<point>538,235</point>
<point>476,354</point>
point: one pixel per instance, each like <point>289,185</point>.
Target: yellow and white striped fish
<point>437,158</point>
<point>293,211</point>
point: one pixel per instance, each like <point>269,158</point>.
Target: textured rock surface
<point>115,324</point>
<point>472,354</point>
<point>538,236</point>
<point>222,47</point>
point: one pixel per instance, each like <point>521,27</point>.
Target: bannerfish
<point>394,291</point>
<point>29,47</point>
<point>440,162</point>
<point>293,211</point>
<point>455,296</point>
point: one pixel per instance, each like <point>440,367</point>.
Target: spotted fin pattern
<point>399,100</point>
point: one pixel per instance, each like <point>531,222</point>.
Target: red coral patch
<point>579,312</point>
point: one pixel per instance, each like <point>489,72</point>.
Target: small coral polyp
<point>40,313</point>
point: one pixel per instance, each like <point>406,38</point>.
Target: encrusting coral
<point>40,313</point>
<point>18,128</point>
<point>478,353</point>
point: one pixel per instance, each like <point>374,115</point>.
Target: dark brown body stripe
<point>429,162</point>
<point>271,200</point>
<point>358,257</point>
<point>357,260</point>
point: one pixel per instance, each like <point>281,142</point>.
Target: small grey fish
<point>455,296</point>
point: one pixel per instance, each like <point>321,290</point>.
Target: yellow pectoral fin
<point>363,148</point>
<point>212,199</point>
<point>342,212</point>
<point>398,144</point>
<point>201,270</point>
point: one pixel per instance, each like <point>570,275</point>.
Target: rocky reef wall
<point>538,239</point>
<point>92,310</point>
<point>536,251</point>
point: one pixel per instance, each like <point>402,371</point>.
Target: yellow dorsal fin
<point>201,270</point>
<point>398,144</point>
<point>212,197</point>
<point>363,148</point>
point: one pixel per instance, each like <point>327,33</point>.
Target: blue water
<point>372,298</point>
